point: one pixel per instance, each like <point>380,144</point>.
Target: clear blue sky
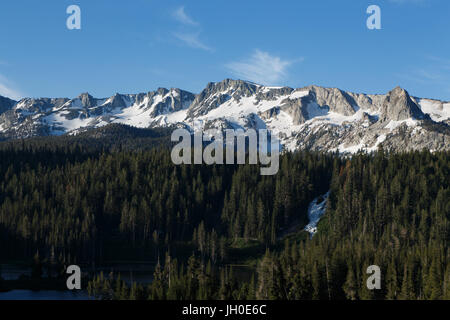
<point>140,45</point>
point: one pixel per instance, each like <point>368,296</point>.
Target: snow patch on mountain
<point>437,110</point>
<point>395,124</point>
<point>315,211</point>
<point>313,118</point>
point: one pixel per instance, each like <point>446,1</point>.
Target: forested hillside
<point>82,203</point>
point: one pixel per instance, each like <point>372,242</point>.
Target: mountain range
<point>312,117</point>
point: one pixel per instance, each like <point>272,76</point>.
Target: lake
<point>141,272</point>
<point>43,295</point>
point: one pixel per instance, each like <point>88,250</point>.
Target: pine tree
<point>391,281</point>
<point>350,287</point>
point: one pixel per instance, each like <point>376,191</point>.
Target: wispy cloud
<point>423,76</point>
<point>181,16</point>
<point>8,89</point>
<point>412,76</point>
<point>261,67</point>
<point>192,40</point>
<point>191,37</point>
<point>443,63</point>
<point>434,71</point>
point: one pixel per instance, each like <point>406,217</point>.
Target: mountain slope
<point>312,117</point>
<point>6,104</point>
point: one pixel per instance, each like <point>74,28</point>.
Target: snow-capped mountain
<point>312,117</point>
<point>33,117</point>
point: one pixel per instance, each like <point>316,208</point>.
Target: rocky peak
<point>166,101</point>
<point>6,104</point>
<point>39,104</point>
<point>117,101</point>
<point>335,99</point>
<point>87,100</point>
<point>217,93</point>
<point>235,85</point>
<point>398,105</point>
<point>162,91</point>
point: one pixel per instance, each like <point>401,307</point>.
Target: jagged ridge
<point>311,117</point>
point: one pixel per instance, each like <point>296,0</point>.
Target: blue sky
<point>140,45</point>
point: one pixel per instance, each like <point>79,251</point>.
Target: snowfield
<point>315,212</point>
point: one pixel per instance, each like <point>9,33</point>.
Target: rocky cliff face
<point>397,106</point>
<point>6,104</point>
<point>312,117</point>
<point>336,100</point>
